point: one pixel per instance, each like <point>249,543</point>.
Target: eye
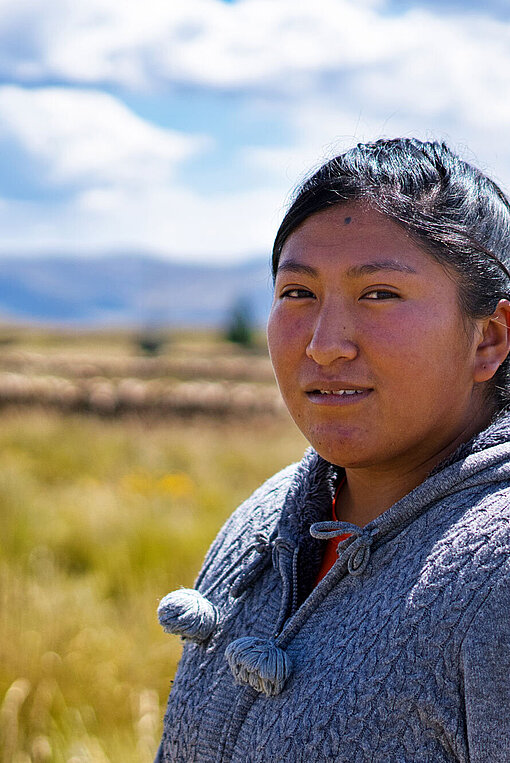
<point>380,294</point>
<point>296,293</point>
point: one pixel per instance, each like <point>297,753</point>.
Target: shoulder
<point>471,530</point>
<point>257,515</point>
<point>462,547</point>
<point>483,526</point>
<point>485,664</point>
<point>257,511</point>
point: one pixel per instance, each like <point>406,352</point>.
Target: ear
<point>494,344</point>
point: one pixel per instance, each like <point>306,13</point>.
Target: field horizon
<point>103,514</point>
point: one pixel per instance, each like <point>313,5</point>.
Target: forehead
<point>351,233</point>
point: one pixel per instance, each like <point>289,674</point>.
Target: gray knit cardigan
<point>401,654</point>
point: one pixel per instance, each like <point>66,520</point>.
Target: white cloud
<point>332,72</point>
<point>346,56</point>
<point>90,138</point>
<point>346,52</point>
<point>276,44</point>
<point>170,222</point>
<point>322,130</point>
<point>447,78</point>
<point>121,186</point>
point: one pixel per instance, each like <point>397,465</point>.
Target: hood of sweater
<point>294,546</point>
<point>304,522</point>
<point>484,460</point>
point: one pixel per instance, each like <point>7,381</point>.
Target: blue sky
<point>179,127</point>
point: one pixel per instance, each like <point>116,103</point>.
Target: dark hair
<point>450,208</point>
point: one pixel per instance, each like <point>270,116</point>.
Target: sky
<point>179,128</point>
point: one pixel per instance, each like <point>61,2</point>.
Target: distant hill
<point>129,289</point>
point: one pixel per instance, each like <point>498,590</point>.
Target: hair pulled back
<point>448,207</point>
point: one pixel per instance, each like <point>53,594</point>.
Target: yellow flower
<point>177,484</point>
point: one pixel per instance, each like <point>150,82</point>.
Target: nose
<point>332,339</point>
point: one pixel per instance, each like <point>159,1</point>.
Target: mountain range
<point>130,290</point>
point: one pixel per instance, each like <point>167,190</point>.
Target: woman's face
<point>369,347</point>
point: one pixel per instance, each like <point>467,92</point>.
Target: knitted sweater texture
<point>401,654</point>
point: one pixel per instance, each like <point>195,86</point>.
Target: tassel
<point>187,613</point>
<point>259,663</point>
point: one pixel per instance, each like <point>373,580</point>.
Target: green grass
<point>99,520</point>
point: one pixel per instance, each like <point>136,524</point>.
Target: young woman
<point>356,607</point>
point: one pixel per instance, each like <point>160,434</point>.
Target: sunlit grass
<point>98,521</point>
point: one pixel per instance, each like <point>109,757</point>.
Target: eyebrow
<point>367,268</point>
<point>293,266</point>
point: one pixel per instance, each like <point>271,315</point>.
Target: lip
<point>328,393</point>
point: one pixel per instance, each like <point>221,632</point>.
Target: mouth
<point>338,395</point>
<point>338,392</point>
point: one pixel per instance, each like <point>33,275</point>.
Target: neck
<point>368,492</point>
<point>363,497</point>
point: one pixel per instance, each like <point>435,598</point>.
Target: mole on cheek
<point>347,220</point>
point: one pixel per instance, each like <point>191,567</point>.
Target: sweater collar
<point>482,460</point>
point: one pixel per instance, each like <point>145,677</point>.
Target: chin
<point>345,449</point>
<point>344,461</point>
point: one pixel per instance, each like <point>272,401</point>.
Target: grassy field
<point>100,518</point>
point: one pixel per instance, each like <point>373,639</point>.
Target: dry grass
<point>100,518</point>
<point>188,376</point>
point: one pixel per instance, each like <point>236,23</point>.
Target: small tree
<point>240,325</point>
<point>150,342</point>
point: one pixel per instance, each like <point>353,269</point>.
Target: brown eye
<point>380,294</point>
<point>297,294</point>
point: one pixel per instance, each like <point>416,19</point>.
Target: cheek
<point>286,340</point>
<point>273,336</point>
<point>277,345</point>
<point>426,352</point>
